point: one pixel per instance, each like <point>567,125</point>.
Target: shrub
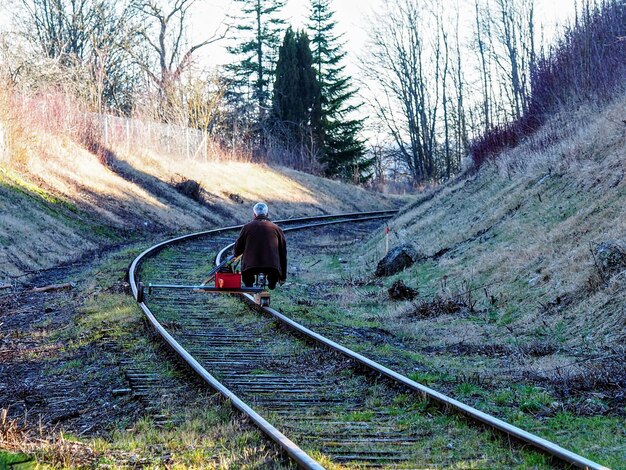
<point>189,188</point>
<point>587,63</point>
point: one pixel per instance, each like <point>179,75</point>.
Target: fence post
<point>4,153</point>
<point>106,130</point>
<point>187,140</point>
<point>169,151</point>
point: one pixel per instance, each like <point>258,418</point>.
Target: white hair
<point>260,208</point>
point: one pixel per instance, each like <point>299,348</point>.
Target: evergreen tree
<point>258,30</point>
<point>343,151</point>
<point>285,98</point>
<point>296,98</point>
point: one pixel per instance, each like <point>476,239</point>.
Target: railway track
<point>321,402</point>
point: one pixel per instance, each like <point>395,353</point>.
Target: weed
<point>190,188</point>
<point>466,389</point>
<point>435,307</point>
<point>428,378</point>
<point>66,366</point>
<point>359,416</point>
<point>504,397</point>
<point>509,315</point>
<point>532,399</point>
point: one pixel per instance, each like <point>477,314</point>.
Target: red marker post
<point>387,239</point>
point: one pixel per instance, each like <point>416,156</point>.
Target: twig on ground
<point>54,287</point>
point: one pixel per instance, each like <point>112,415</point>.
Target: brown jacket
<point>263,245</point>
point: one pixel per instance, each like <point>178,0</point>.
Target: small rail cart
<point>225,278</point>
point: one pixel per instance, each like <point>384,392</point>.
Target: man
<point>264,249</point>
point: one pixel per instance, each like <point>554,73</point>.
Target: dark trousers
<point>271,274</point>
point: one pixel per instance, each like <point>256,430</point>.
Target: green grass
<point>339,307</point>
<point>466,389</point>
<point>599,438</point>
<point>429,378</point>
<point>16,461</point>
<point>59,208</point>
<point>14,181</point>
<point>532,399</point>
<point>65,367</point>
<point>207,436</point>
<point>359,416</point>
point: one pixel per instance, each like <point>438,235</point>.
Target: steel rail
<point>190,236</point>
<point>513,431</point>
<point>302,227</point>
<point>292,449</point>
<point>297,454</point>
<point>283,441</point>
<point>502,426</point>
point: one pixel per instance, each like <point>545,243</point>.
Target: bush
<point>190,188</point>
<point>588,63</point>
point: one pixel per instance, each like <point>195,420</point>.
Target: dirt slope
<point>58,200</point>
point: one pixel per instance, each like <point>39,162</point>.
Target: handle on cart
<point>227,262</point>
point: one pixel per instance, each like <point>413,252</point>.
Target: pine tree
<point>285,97</point>
<point>296,97</point>
<point>343,151</point>
<point>258,29</point>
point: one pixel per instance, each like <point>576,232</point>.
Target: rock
<point>400,291</point>
<point>396,260</point>
<point>236,197</point>
<point>611,256</point>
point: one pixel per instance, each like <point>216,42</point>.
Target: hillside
<point>521,241</point>
<point>58,200</point>
<point>519,287</point>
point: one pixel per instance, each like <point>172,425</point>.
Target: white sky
<point>351,17</point>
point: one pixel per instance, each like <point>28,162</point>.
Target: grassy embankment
<point>81,204</point>
<point>59,200</point>
<point>513,314</point>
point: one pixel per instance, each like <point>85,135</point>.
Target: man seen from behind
<point>264,249</point>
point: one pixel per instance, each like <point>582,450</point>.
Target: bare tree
<point>60,28</point>
<point>483,45</point>
<point>204,101</point>
<point>406,68</point>
<point>414,72</point>
<point>166,54</point>
<point>461,131</point>
<point>88,34</point>
<point>505,41</point>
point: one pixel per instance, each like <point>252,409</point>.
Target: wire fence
<point>4,154</point>
<point>58,114</point>
<point>173,141</point>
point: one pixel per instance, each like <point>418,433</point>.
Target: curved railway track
<point>303,388</point>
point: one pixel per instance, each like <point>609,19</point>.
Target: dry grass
<point>64,194</point>
<point>10,433</point>
<point>58,451</point>
<point>523,227</point>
